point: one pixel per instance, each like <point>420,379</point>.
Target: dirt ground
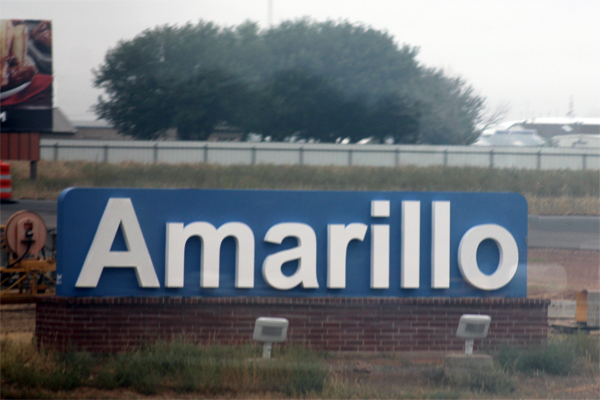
<point>558,274</point>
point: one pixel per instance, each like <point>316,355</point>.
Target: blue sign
<point>188,243</point>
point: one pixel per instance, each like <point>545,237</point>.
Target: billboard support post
<point>21,146</point>
<point>33,170</point>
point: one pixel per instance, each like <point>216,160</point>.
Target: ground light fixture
<point>471,327</point>
<point>268,331</point>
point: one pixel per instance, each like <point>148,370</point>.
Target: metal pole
<point>469,347</point>
<point>270,15</point>
<point>267,349</point>
<point>33,170</point>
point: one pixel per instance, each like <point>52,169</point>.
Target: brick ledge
<point>434,301</point>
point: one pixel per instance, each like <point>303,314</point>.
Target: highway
<point>558,232</point>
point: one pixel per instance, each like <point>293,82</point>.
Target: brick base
<point>334,324</point>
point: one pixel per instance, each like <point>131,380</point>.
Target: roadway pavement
<point>44,208</point>
<point>557,232</point>
<point>564,232</point>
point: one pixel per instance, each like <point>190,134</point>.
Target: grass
<point>185,370</point>
<point>562,355</point>
<point>492,380</point>
<point>561,192</point>
<point>22,363</point>
<point>178,366</point>
<point>213,370</point>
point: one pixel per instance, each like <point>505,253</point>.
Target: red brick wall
<point>334,324</point>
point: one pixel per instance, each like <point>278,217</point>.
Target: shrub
<point>585,346</point>
<point>487,380</point>
<point>23,364</point>
<point>558,357</point>
<point>213,369</point>
<point>177,366</point>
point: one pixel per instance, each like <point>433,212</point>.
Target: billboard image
<point>26,75</point>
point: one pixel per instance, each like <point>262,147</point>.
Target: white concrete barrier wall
<point>317,154</point>
<point>593,309</point>
<point>562,309</point>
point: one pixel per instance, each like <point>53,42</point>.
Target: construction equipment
<point>28,264</point>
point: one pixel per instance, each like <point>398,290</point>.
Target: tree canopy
<point>312,80</point>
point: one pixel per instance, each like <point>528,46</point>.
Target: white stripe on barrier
<point>5,177</point>
<point>5,190</point>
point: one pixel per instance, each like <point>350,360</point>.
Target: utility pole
<point>571,112</point>
<point>270,14</point>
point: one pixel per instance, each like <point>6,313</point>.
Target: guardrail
<point>225,153</point>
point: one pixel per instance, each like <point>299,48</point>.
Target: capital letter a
<point>118,212</point>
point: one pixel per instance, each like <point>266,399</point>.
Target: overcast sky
<point>531,56</point>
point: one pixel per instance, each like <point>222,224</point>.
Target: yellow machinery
<point>28,266</point>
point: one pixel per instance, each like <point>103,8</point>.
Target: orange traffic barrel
<point>5,181</point>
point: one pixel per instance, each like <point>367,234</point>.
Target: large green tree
<point>320,80</point>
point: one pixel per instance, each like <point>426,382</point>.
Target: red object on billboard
<point>38,84</point>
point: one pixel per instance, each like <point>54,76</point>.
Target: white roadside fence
<point>227,153</point>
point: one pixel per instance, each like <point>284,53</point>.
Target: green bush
<point>213,369</point>
<point>44,370</point>
<point>177,366</point>
<point>558,357</point>
<point>487,380</point>
<point>586,347</point>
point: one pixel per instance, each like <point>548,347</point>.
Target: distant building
<point>541,131</point>
<point>510,138</point>
<point>547,128</point>
<point>550,127</point>
<point>97,130</point>
<point>102,130</point>
<point>580,141</point>
<point>62,128</point>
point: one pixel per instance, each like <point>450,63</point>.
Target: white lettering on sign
<point>380,246</point>
<point>177,237</point>
<point>305,253</point>
<point>467,256</point>
<point>119,213</point>
<point>411,245</point>
<point>338,238</point>
<point>440,245</point>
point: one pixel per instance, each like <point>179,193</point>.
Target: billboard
<point>188,243</point>
<point>26,75</point>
